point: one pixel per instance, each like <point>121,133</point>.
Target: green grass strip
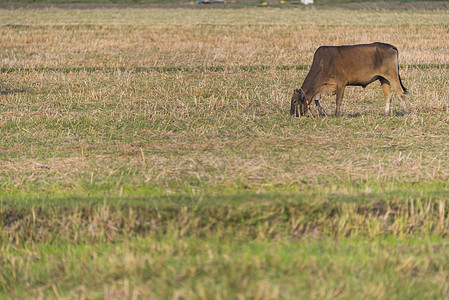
<point>217,68</point>
<point>250,214</point>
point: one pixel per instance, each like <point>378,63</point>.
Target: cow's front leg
<point>320,109</point>
<point>311,112</point>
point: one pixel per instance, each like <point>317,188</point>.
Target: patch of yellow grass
<point>150,37</point>
<point>163,126</point>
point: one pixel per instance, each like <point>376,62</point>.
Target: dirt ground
<point>362,5</point>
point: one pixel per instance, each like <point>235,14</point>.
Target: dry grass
<point>214,127</point>
<point>179,37</point>
<point>172,169</point>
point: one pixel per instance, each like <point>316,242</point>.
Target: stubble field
<point>150,153</point>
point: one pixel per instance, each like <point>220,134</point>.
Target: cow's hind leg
<point>400,92</point>
<point>340,92</point>
<point>388,94</point>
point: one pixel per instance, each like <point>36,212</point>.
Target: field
<point>149,154</point>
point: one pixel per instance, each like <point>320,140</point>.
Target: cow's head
<point>299,104</point>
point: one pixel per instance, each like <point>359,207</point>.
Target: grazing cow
<point>335,67</point>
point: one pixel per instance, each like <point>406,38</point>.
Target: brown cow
<point>335,67</point>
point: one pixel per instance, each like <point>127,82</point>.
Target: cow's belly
<point>362,81</point>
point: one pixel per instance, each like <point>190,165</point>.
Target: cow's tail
<point>400,81</point>
<point>399,76</point>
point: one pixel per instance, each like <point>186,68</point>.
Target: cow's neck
<point>312,85</point>
<point>309,90</point>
